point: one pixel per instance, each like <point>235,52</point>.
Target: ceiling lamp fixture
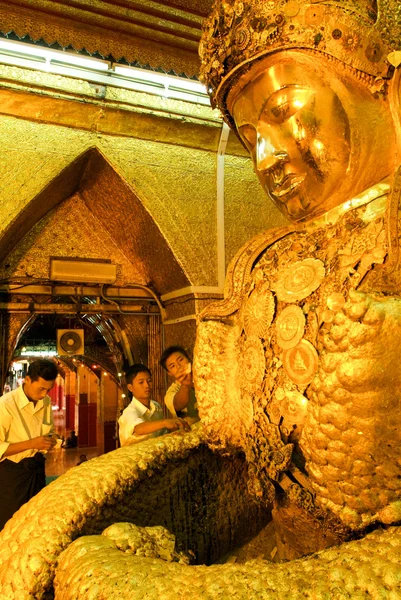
<point>100,71</point>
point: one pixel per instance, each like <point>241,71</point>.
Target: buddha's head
<point>307,88</point>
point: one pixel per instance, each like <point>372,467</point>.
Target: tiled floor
<point>59,461</point>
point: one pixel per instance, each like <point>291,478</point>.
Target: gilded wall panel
<point>177,186</point>
<point>247,210</point>
<point>55,89</point>
<point>180,307</point>
<point>18,78</point>
<point>129,224</point>
<point>32,155</point>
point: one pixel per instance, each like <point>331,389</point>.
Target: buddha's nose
<point>267,156</point>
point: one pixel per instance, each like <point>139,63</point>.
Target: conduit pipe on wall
<point>180,319</point>
<point>221,241</point>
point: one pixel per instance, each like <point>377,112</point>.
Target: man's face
<point>38,389</point>
<point>297,132</point>
<point>176,363</point>
<point>141,387</point>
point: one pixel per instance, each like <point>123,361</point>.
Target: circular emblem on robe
<point>290,327</point>
<point>300,280</point>
<point>291,9</point>
<point>252,364</point>
<point>291,408</point>
<point>259,312</point>
<point>301,362</point>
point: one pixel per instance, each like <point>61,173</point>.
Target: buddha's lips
<point>286,186</point>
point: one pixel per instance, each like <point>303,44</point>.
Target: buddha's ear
<point>395,100</point>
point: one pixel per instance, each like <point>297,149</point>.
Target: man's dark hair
<point>133,371</point>
<point>46,369</point>
<point>169,351</point>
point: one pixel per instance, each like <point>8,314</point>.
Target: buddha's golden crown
<point>360,33</point>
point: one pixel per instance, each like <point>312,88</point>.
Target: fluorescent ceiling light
<point>17,47</point>
<point>52,56</point>
<point>102,71</point>
<point>142,74</point>
<point>169,81</point>
<point>173,87</point>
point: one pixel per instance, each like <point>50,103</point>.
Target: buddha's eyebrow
<point>250,109</point>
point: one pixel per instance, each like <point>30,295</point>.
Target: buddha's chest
<point>295,289</point>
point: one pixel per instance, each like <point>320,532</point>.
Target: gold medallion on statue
<point>300,280</point>
<point>252,361</point>
<point>301,362</point>
<point>288,408</point>
<point>259,312</point>
<point>291,9</point>
<point>293,409</point>
<point>290,327</point>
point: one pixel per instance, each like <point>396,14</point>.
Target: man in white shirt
<point>26,432</point>
<point>180,397</point>
<point>143,418</point>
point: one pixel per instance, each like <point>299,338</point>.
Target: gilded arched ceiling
<point>89,211</point>
<point>175,186</point>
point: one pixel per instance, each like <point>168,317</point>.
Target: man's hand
<point>184,378</point>
<point>184,375</point>
<point>176,424</point>
<point>43,442</point>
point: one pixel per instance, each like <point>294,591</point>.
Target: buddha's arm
<point>352,435</point>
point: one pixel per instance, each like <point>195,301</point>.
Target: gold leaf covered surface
<point>128,485</point>
<point>355,570</point>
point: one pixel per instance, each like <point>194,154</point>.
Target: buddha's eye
<point>248,135</point>
<point>285,103</point>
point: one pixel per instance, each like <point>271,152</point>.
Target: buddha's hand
<point>351,438</point>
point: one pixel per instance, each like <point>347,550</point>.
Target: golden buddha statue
<point>297,367</point>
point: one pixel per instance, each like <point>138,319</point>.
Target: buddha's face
<point>297,117</point>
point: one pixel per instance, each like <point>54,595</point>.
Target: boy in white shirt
<point>143,418</point>
<point>180,397</point>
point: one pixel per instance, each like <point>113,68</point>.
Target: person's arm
<point>182,396</point>
<point>147,427</point>
<point>6,449</point>
<point>43,442</point>
<point>5,424</point>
